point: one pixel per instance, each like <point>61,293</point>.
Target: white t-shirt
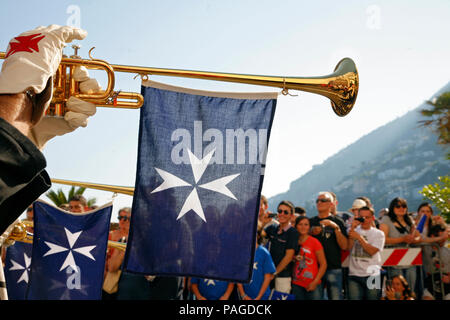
<point>361,263</point>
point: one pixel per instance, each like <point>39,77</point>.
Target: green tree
<point>439,122</point>
<point>439,195</point>
<point>439,118</point>
<point>59,198</point>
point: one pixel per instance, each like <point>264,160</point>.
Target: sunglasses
<point>124,218</point>
<point>283,211</point>
<point>400,206</point>
<point>323,200</point>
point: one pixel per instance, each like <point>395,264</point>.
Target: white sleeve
<point>379,240</point>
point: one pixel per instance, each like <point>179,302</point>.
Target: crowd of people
<point>294,254</point>
<point>308,252</point>
<point>302,256</point>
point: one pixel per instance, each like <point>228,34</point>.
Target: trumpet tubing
<point>20,233</point>
<point>116,189</point>
<point>104,187</point>
<point>341,86</point>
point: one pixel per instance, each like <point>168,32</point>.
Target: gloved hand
<point>76,117</point>
<point>150,278</point>
<point>32,59</point>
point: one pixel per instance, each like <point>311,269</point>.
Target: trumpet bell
<point>341,87</point>
<point>345,87</point>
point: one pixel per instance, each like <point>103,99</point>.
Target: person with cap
<point>26,89</point>
<point>301,211</point>
<point>365,244</point>
<point>348,220</point>
<point>357,204</point>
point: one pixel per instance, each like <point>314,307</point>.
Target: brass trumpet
<point>105,187</point>
<point>341,86</point>
<point>20,233</point>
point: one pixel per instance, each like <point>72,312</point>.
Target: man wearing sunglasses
<point>115,257</point>
<point>124,218</point>
<point>331,232</point>
<point>283,239</point>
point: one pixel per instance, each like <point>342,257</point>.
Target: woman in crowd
<point>310,264</point>
<point>130,286</point>
<point>424,216</point>
<point>399,290</point>
<point>400,231</point>
<point>426,219</point>
<point>114,257</point>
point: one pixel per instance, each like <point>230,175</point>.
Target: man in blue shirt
<point>208,289</point>
<point>263,270</point>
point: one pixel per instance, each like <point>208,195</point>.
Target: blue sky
<point>399,48</point>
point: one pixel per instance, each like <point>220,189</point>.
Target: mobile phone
<point>272,215</point>
<point>360,219</point>
<point>388,284</point>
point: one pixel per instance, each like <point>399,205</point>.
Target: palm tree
<point>439,121</point>
<point>439,118</point>
<point>59,198</point>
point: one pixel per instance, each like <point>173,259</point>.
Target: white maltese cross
<point>70,260</point>
<point>198,168</point>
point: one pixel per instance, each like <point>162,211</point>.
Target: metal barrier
<point>437,247</point>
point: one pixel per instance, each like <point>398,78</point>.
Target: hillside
<point>397,159</point>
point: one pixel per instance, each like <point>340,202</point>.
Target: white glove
<point>77,116</point>
<point>150,278</point>
<point>32,59</point>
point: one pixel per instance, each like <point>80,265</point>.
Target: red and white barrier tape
<point>392,257</point>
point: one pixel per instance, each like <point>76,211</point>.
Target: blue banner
<point>17,270</point>
<point>199,176</point>
<point>277,295</point>
<point>69,252</point>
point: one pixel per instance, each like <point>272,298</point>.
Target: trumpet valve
<point>19,232</point>
<point>75,48</point>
